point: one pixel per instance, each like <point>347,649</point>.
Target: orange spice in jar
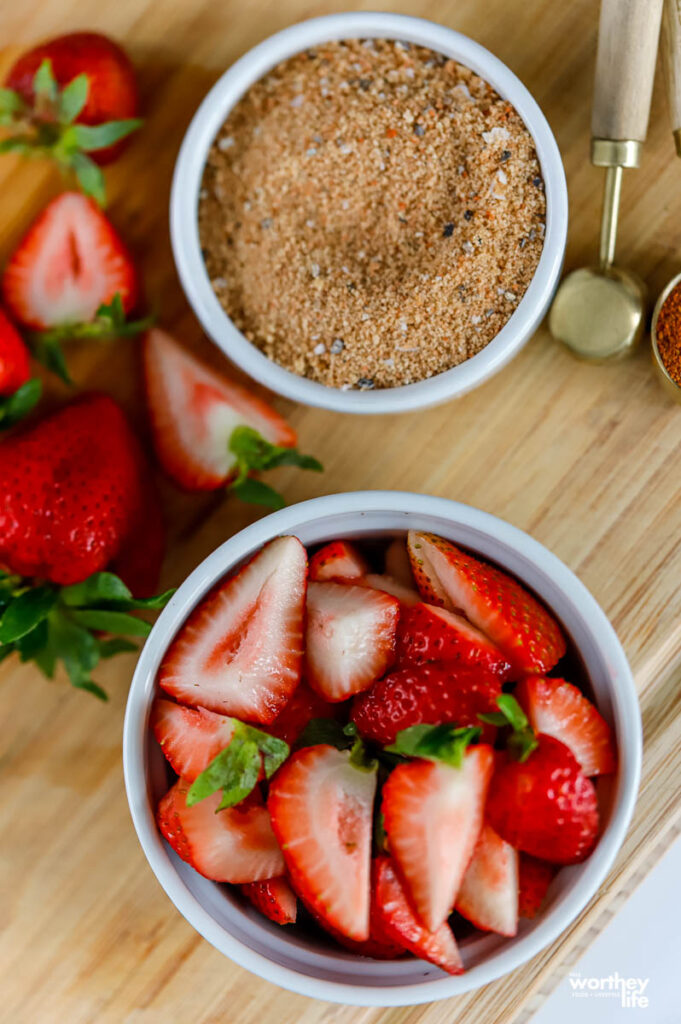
<point>668,334</point>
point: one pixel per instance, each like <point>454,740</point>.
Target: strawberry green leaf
<point>73,98</point>
<point>109,323</point>
<point>100,586</point>
<point>15,144</point>
<point>90,138</point>
<point>77,648</point>
<point>45,88</point>
<point>325,730</point>
<point>89,176</point>
<point>46,349</point>
<point>110,621</point>
<point>255,492</point>
<point>6,650</point>
<point>14,407</point>
<point>92,687</point>
<point>25,612</point>
<point>116,645</point>
<point>11,105</point>
<point>236,769</point>
<point>253,452</point>
<point>446,743</point>
<point>522,740</point>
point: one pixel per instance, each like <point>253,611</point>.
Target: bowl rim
<point>289,520</point>
<point>187,180</point>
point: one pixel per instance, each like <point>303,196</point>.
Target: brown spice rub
<point>371,213</point>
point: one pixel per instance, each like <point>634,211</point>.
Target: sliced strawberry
<point>534,878</point>
<point>240,652</point>
<point>70,262</point>
<point>337,560</point>
<point>488,896</point>
<point>429,695</point>
<point>321,807</point>
<point>379,946</point>
<point>433,816</point>
<point>397,563</point>
<point>428,634</point>
<point>389,585</point>
<point>303,706</point>
<point>493,601</point>
<point>559,709</point>
<point>274,898</point>
<point>234,845</point>
<point>399,921</point>
<point>193,410</point>
<point>190,737</point>
<point>545,805</point>
<point>350,637</point>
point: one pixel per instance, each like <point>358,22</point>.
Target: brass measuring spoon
<point>599,312</point>
<point>671,58</point>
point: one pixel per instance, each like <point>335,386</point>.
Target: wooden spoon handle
<point>628,34</point>
<point>671,59</point>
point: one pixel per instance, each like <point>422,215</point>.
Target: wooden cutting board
<point>585,458</point>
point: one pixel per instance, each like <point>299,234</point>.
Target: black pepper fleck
<point>505,155</point>
<point>538,182</point>
<point>366,383</point>
<point>419,130</point>
<point>468,215</point>
<point>448,231</point>
<point>364,84</point>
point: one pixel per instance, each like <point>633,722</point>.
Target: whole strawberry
<point>428,694</point>
<point>544,805</point>
<point>70,491</point>
<point>18,392</point>
<point>74,98</point>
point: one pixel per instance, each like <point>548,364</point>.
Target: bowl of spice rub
<point>369,213</point>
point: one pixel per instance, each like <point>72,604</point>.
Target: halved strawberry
<point>240,651</point>
<point>427,633</point>
<point>233,845</point>
<point>190,737</point>
<point>488,896</point>
<point>303,706</point>
<point>379,945</point>
<point>70,262</point>
<point>321,808</point>
<point>433,815</point>
<point>397,563</point>
<point>194,410</point>
<point>350,637</point>
<point>389,585</point>
<point>427,694</point>
<point>274,898</point>
<point>559,709</point>
<point>493,601</point>
<point>534,878</point>
<point>544,805</point>
<point>399,921</point>
<point>337,560</point>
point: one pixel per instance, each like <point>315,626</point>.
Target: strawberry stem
<point>254,454</point>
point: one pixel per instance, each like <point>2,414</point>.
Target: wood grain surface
<point>585,458</point>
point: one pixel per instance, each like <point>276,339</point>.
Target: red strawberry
<point>139,562</point>
<point>337,560</point>
<point>379,946</point>
<point>69,263</point>
<point>112,90</point>
<point>545,805</point>
<point>429,694</point>
<point>534,879</point>
<point>303,706</point>
<point>559,709</point>
<point>428,634</point>
<point>240,651</point>
<point>194,411</point>
<point>233,845</point>
<point>488,896</point>
<point>14,360</point>
<point>190,737</point>
<point>321,808</point>
<point>350,637</point>
<point>397,563</point>
<point>493,601</point>
<point>274,898</point>
<point>399,921</point>
<point>70,491</point>
<point>405,595</point>
<point>433,816</point>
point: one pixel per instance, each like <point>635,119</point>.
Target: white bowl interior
<point>287,955</point>
<point>187,181</point>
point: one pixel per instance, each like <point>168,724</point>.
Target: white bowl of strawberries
<point>381,748</point>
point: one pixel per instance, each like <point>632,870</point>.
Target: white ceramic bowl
<point>187,181</point>
<point>286,956</point>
